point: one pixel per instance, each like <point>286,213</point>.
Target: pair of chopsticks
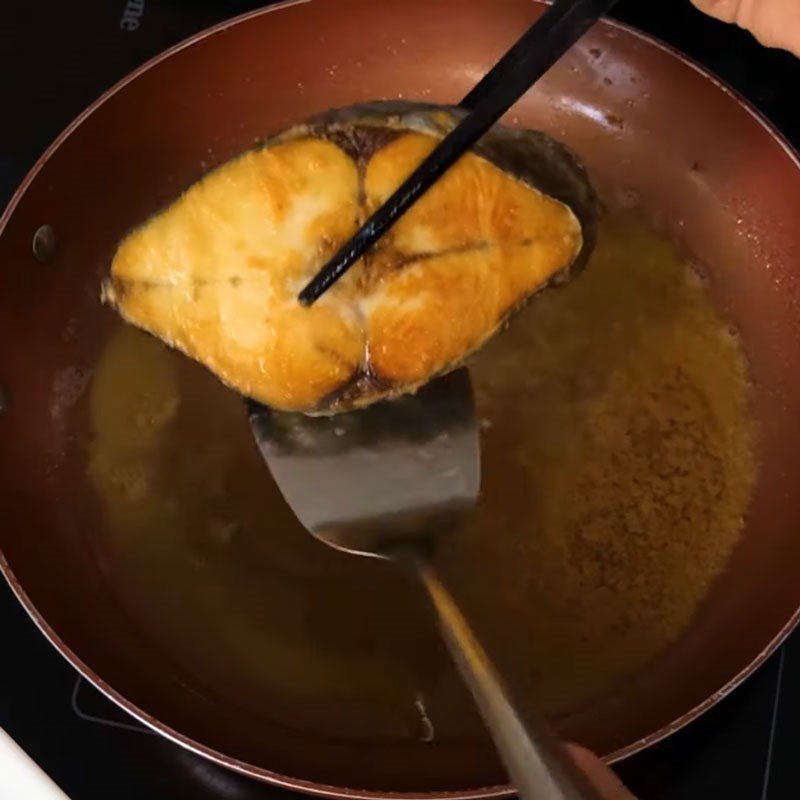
<point>561,25</point>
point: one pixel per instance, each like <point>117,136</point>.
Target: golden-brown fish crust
<point>217,273</point>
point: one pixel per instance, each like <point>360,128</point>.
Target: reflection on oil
<point>617,470</point>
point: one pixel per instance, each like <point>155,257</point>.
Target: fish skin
<point>216,274</point>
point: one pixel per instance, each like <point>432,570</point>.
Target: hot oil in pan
<point>618,465</point>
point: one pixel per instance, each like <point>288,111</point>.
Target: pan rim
<point>299,784</point>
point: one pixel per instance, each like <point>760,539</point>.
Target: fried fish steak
<point>217,273</point>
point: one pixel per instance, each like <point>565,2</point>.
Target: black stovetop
<point>56,56</point>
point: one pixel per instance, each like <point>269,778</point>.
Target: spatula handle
<point>537,763</point>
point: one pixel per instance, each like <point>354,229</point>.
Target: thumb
<point>607,784</point>
<point>775,23</point>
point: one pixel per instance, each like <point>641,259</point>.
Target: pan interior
<point>142,527</point>
<point>618,467</point>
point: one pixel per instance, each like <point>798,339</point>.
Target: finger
<point>608,785</point>
<point>725,10</point>
<point>775,23</point>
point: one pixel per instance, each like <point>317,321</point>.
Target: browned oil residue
<point>618,466</point>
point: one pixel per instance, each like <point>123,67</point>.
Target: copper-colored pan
<point>643,118</point>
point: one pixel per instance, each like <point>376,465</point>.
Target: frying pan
<point>646,121</point>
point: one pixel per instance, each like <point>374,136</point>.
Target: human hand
<point>608,785</point>
<point>775,23</point>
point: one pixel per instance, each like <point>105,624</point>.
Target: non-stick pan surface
<point>645,120</point>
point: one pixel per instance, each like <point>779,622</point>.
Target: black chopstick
<point>500,71</point>
<point>561,25</point>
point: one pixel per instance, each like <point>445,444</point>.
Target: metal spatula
<point>384,482</point>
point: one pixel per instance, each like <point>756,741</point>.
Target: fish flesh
<point>217,273</point>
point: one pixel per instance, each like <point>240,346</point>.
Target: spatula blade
<point>366,480</point>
